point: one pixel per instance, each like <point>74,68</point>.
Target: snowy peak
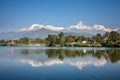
<point>78,27</point>
<point>102,28</point>
<point>81,26</point>
<point>52,28</point>
<point>42,31</point>
<point>37,26</point>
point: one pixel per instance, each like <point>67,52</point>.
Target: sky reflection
<point>79,58</point>
<point>80,64</point>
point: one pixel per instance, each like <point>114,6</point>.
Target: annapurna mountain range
<point>42,31</point>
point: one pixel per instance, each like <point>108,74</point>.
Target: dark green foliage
<point>61,39</point>
<point>52,40</point>
<point>114,36</point>
<point>110,55</point>
<point>110,39</point>
<point>98,38</point>
<point>24,40</point>
<point>3,43</point>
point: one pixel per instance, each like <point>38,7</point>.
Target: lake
<point>59,63</point>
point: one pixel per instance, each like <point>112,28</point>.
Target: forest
<point>109,39</point>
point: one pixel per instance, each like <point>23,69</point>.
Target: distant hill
<point>42,31</point>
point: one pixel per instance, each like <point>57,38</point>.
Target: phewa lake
<point>59,63</point>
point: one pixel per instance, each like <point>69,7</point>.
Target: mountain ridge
<point>79,26</point>
<point>42,31</point>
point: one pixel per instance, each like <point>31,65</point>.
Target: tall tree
<point>78,39</point>
<point>114,36</point>
<point>61,38</point>
<point>24,40</point>
<point>52,40</point>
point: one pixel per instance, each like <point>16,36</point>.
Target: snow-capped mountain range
<point>42,31</point>
<point>37,26</point>
<point>79,26</point>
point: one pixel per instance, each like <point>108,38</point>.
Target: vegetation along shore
<point>109,39</point>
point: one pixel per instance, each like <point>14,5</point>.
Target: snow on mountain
<point>102,28</point>
<point>42,31</point>
<point>37,26</point>
<point>81,26</point>
<point>78,27</point>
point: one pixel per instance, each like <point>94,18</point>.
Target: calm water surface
<point>59,63</point>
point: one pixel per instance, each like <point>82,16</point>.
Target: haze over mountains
<point>42,31</point>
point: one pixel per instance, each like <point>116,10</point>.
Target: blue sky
<point>17,14</point>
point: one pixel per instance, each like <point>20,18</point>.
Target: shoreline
<point>63,46</point>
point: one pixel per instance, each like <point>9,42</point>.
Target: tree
<point>114,36</point>
<point>3,43</point>
<point>112,39</point>
<point>61,35</point>
<point>52,40</point>
<point>83,38</point>
<point>68,39</point>
<point>78,39</point>
<point>24,40</point>
<point>38,40</point>
<point>98,38</point>
<point>61,38</point>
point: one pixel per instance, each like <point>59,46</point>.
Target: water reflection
<point>64,63</point>
<point>109,55</point>
<point>81,64</point>
<point>34,63</point>
<point>77,58</point>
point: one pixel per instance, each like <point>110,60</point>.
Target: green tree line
<point>109,39</point>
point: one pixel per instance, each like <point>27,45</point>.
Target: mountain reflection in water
<point>77,58</point>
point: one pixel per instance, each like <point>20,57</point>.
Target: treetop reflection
<point>110,55</point>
